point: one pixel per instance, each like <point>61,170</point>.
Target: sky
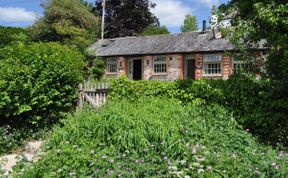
<point>171,13</point>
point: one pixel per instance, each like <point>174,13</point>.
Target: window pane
<point>212,68</point>
<point>112,65</point>
<point>160,65</point>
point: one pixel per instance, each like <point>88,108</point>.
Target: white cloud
<point>171,13</point>
<point>209,3</point>
<point>15,14</point>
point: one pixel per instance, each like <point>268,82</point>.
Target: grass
<point>154,138</point>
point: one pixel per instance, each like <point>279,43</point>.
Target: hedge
<point>38,81</point>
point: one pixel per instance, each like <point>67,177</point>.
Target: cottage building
<point>191,55</point>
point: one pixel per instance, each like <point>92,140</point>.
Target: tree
<point>11,35</point>
<point>263,19</point>
<point>126,17</point>
<point>189,24</point>
<point>155,30</point>
<point>266,19</point>
<point>69,22</point>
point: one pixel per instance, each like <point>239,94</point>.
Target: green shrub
<point>259,105</point>
<point>38,81</point>
<point>123,88</point>
<point>155,138</point>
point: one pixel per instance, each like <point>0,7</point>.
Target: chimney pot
<point>204,26</point>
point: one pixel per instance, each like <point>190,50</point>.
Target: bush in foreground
<point>38,81</point>
<point>153,137</point>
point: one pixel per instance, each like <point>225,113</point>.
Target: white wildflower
<point>172,167</point>
<point>183,162</point>
<point>104,157</point>
<point>276,166</point>
<point>200,158</point>
<point>199,171</point>
<point>209,168</point>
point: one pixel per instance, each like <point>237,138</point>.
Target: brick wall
<point>199,66</point>
<point>148,67</point>
<point>121,66</point>
<point>226,67</point>
<point>175,68</point>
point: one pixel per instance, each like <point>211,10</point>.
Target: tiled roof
<point>160,44</point>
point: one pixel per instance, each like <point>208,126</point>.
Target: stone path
<point>30,152</point>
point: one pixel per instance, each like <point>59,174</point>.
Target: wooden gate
<point>92,94</point>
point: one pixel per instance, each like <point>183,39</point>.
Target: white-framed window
<point>112,65</point>
<point>160,64</point>
<point>212,64</point>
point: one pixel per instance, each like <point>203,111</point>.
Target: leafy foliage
<point>67,21</point>
<point>266,19</point>
<point>189,24</point>
<point>126,17</point>
<point>95,68</point>
<point>38,81</point>
<point>258,105</point>
<point>155,138</point>
<point>155,30</point>
<point>10,36</point>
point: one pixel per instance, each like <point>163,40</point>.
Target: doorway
<point>190,69</point>
<point>137,69</point>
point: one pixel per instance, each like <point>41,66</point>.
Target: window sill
<point>109,73</point>
<point>212,75</point>
<point>157,74</point>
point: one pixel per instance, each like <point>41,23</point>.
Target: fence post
<point>80,98</point>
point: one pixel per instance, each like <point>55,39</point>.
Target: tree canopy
<point>155,30</point>
<point>263,19</point>
<point>11,35</point>
<point>70,22</point>
<point>189,24</point>
<point>126,17</point>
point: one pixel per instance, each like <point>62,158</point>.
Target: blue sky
<point>171,13</point>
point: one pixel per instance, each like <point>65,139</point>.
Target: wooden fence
<point>94,94</point>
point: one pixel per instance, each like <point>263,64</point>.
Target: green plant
<point>258,105</point>
<point>98,68</point>
<point>38,82</point>
<point>153,137</point>
<point>123,88</point>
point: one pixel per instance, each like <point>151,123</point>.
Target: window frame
<point>109,63</point>
<point>218,61</point>
<point>238,62</point>
<point>160,63</point>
